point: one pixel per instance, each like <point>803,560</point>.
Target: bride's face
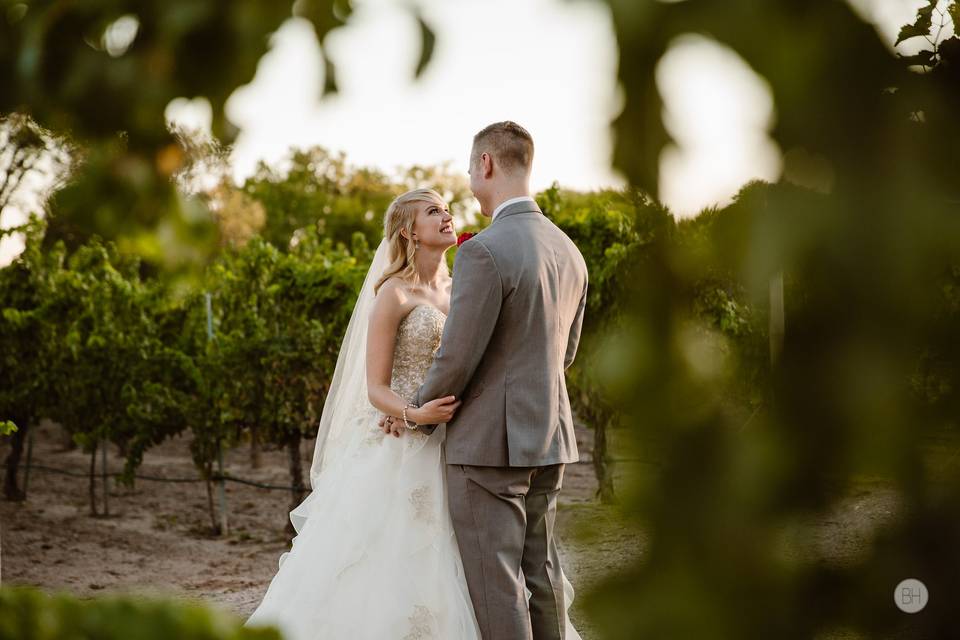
<point>433,226</point>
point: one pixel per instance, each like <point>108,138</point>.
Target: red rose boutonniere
<point>463,237</point>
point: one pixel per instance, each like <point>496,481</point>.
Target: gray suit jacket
<point>519,291</point>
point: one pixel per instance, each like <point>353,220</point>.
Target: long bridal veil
<point>348,387</point>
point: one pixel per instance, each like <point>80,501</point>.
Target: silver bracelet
<point>405,422</point>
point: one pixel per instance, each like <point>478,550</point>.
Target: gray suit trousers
<point>504,518</point>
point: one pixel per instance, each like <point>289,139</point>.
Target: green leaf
<point>13,316</point>
<point>921,27</point>
<point>329,75</point>
<point>427,40</point>
<point>949,50</point>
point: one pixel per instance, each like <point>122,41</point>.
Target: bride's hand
<point>435,411</point>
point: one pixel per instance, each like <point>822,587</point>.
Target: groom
<point>519,291</point>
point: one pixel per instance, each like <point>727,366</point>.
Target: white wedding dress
<point>375,556</point>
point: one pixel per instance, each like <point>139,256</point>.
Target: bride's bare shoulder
<point>392,298</point>
<point>395,288</point>
<point>392,283</point>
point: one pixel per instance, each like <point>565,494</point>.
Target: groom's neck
<point>507,191</point>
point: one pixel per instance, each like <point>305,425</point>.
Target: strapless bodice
<point>418,339</point>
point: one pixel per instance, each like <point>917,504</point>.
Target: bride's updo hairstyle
<point>400,215</point>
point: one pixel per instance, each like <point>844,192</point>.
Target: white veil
<point>348,391</point>
<point>348,387</point>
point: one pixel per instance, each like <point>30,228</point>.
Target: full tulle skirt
<point>375,555</point>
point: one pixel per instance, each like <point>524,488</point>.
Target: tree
<point>319,189</point>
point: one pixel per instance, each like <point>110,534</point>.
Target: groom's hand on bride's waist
<point>437,411</point>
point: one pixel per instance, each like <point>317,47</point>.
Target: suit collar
<point>526,206</point>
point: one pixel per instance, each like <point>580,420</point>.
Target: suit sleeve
<point>474,310</point>
<point>573,340</point>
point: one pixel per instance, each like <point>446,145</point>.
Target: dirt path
<point>157,541</point>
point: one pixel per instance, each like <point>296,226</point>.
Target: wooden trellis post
<point>26,469</point>
<point>103,477</point>
<point>221,483</point>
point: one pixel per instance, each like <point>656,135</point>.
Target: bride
<point>375,555</point>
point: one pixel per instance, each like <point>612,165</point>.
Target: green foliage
<point>29,614</point>
<point>105,71</point>
<point>936,378</point>
<point>677,338</point>
<point>609,227</point>
<point>79,70</point>
<point>614,231</point>
<point>106,361</point>
<point>867,278</point>
<point>428,40</point>
<point>940,49</point>
<point>921,27</point>
<point>113,358</point>
<point>318,189</point>
<point>25,380</point>
<point>278,320</point>
<point>142,214</point>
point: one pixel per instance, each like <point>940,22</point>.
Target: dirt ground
<point>157,538</point>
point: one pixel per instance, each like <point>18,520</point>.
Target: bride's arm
<point>385,318</point>
<point>389,308</point>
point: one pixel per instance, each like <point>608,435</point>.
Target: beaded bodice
<point>418,339</point>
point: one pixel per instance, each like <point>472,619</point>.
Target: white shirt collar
<point>507,203</point>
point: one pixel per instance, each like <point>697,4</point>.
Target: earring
<point>416,245</point>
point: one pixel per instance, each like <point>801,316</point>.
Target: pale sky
<point>548,64</point>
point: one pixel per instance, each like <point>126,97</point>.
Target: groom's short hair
<point>510,144</point>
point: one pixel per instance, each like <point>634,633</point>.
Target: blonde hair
<point>400,215</point>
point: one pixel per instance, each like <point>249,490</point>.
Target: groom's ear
<point>486,165</point>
